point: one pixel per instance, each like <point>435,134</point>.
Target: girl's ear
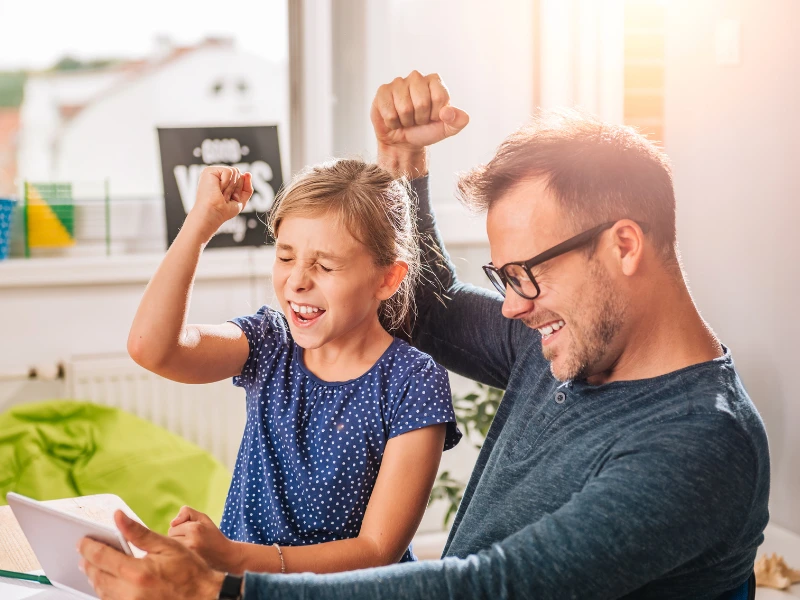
<point>392,278</point>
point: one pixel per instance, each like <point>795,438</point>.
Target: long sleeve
<point>638,519</point>
<point>461,326</point>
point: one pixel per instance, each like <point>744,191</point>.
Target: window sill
<point>456,226</point>
<point>215,264</point>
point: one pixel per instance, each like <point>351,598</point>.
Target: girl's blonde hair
<point>377,211</point>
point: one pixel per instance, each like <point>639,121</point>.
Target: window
<point>80,108</point>
<point>644,67</point>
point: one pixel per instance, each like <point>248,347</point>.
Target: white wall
<point>733,133</point>
<point>582,55</point>
<point>53,309</point>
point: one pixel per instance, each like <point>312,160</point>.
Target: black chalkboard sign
<point>186,151</point>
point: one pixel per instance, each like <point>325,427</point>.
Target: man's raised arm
<point>460,325</point>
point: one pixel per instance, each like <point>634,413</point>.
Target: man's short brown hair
<point>597,171</point>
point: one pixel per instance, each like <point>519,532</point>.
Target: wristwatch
<point>231,588</point>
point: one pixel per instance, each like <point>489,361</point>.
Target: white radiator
<point>211,415</point>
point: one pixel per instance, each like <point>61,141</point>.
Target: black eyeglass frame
<point>569,245</point>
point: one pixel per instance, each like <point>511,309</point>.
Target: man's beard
<point>590,340</point>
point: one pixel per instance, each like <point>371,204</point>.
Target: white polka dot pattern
<point>312,449</point>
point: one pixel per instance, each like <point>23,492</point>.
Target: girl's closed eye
<point>324,268</point>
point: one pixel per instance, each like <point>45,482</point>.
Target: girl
<point>345,423</point>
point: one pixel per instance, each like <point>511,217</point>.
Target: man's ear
<point>392,278</point>
<point>628,243</point>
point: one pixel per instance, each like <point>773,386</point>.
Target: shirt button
<point>560,397</point>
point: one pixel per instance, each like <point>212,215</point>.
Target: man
<point>625,460</point>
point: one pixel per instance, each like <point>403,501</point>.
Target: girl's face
<point>327,281</point>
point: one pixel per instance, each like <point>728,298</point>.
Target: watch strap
<point>231,588</point>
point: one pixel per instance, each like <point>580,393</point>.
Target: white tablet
<point>54,537</point>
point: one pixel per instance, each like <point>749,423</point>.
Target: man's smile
<point>549,330</point>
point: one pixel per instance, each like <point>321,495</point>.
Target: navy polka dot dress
<point>312,449</point>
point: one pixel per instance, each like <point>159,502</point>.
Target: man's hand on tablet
<point>169,570</point>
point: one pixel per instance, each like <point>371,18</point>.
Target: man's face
<point>580,311</point>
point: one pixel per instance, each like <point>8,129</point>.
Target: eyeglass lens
<point>519,280</point>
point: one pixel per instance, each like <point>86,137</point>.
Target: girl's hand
<point>222,193</point>
<point>198,532</point>
<point>167,571</point>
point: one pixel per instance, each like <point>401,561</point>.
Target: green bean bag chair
<point>62,449</point>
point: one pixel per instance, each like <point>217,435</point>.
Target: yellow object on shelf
<point>50,215</point>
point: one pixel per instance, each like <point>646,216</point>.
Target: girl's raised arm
<point>160,340</point>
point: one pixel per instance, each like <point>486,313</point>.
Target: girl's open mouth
<point>305,315</point>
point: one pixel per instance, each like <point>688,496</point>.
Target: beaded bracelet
<point>280,555</point>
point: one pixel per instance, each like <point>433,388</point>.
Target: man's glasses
<point>518,276</point>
